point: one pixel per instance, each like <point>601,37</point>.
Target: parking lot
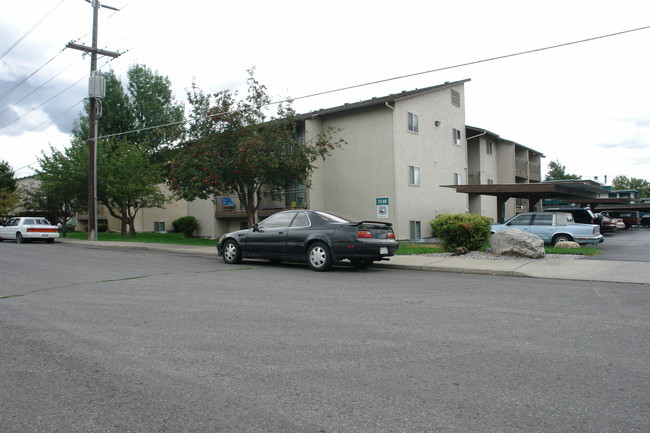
<point>625,245</point>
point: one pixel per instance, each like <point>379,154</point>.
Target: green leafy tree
<point>127,181</point>
<point>145,114</point>
<point>62,188</point>
<point>236,149</point>
<point>9,197</point>
<point>556,171</point>
<point>152,104</point>
<point>146,109</point>
<point>7,177</point>
<point>625,183</point>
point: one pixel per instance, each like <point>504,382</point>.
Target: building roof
<point>481,131</point>
<point>380,100</point>
<point>574,191</point>
<point>586,189</point>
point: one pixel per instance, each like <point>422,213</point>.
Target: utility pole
<point>96,91</point>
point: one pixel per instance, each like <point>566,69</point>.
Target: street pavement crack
<point>137,277</point>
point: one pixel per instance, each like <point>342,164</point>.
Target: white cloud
<point>585,105</point>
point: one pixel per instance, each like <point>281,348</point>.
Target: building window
<point>489,148</point>
<point>414,175</point>
<point>457,137</point>
<point>413,123</point>
<point>455,98</point>
<point>415,230</point>
<point>458,179</point>
<point>159,227</point>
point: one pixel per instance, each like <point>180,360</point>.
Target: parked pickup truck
<point>552,227</point>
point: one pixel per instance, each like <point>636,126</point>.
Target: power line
<point>173,30</point>
<point>475,62</point>
<point>396,78</point>
<point>460,65</point>
<point>17,85</point>
<point>30,75</point>
<point>57,117</point>
<point>43,103</point>
<point>39,87</point>
<point>29,31</point>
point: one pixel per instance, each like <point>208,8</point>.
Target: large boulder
<point>567,244</point>
<point>514,242</point>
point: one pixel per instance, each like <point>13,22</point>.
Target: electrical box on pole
<point>96,85</point>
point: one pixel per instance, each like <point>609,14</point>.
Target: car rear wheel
<point>19,238</point>
<point>231,253</point>
<point>319,257</point>
<point>562,238</point>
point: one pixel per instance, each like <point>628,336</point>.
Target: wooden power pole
<point>95,92</point>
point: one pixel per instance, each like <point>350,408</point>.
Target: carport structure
<point>585,192</point>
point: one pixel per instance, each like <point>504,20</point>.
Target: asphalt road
<point>625,245</point>
<point>132,341</point>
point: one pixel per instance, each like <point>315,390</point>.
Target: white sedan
<point>22,229</point>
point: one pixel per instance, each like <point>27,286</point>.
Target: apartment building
<point>492,159</point>
<point>402,149</point>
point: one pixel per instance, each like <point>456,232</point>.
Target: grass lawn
<point>405,248</point>
<point>151,238</point>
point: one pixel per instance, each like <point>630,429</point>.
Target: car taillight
<point>390,235</point>
<point>364,234</point>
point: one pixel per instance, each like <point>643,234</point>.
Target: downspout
<point>467,142</point>
<point>467,162</point>
<point>476,136</point>
<point>395,184</point>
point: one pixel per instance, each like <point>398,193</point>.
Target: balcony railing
<point>535,171</point>
<point>521,167</point>
<point>230,207</point>
<point>527,169</point>
<point>473,177</point>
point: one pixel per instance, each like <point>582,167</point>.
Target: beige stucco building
<point>400,152</point>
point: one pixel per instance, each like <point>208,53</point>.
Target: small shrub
<point>468,231</point>
<point>186,225</point>
<point>102,228</point>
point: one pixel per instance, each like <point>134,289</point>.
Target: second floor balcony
<point>230,206</point>
<point>473,177</point>
<point>528,169</point>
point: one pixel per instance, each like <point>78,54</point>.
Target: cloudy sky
<point>583,104</point>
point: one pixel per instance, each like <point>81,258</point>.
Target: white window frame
<point>415,230</point>
<point>414,175</point>
<point>458,179</point>
<point>413,124</point>
<point>489,148</point>
<point>458,137</point>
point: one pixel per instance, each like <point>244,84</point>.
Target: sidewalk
<point>575,269</point>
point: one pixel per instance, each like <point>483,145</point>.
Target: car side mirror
<point>256,227</point>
